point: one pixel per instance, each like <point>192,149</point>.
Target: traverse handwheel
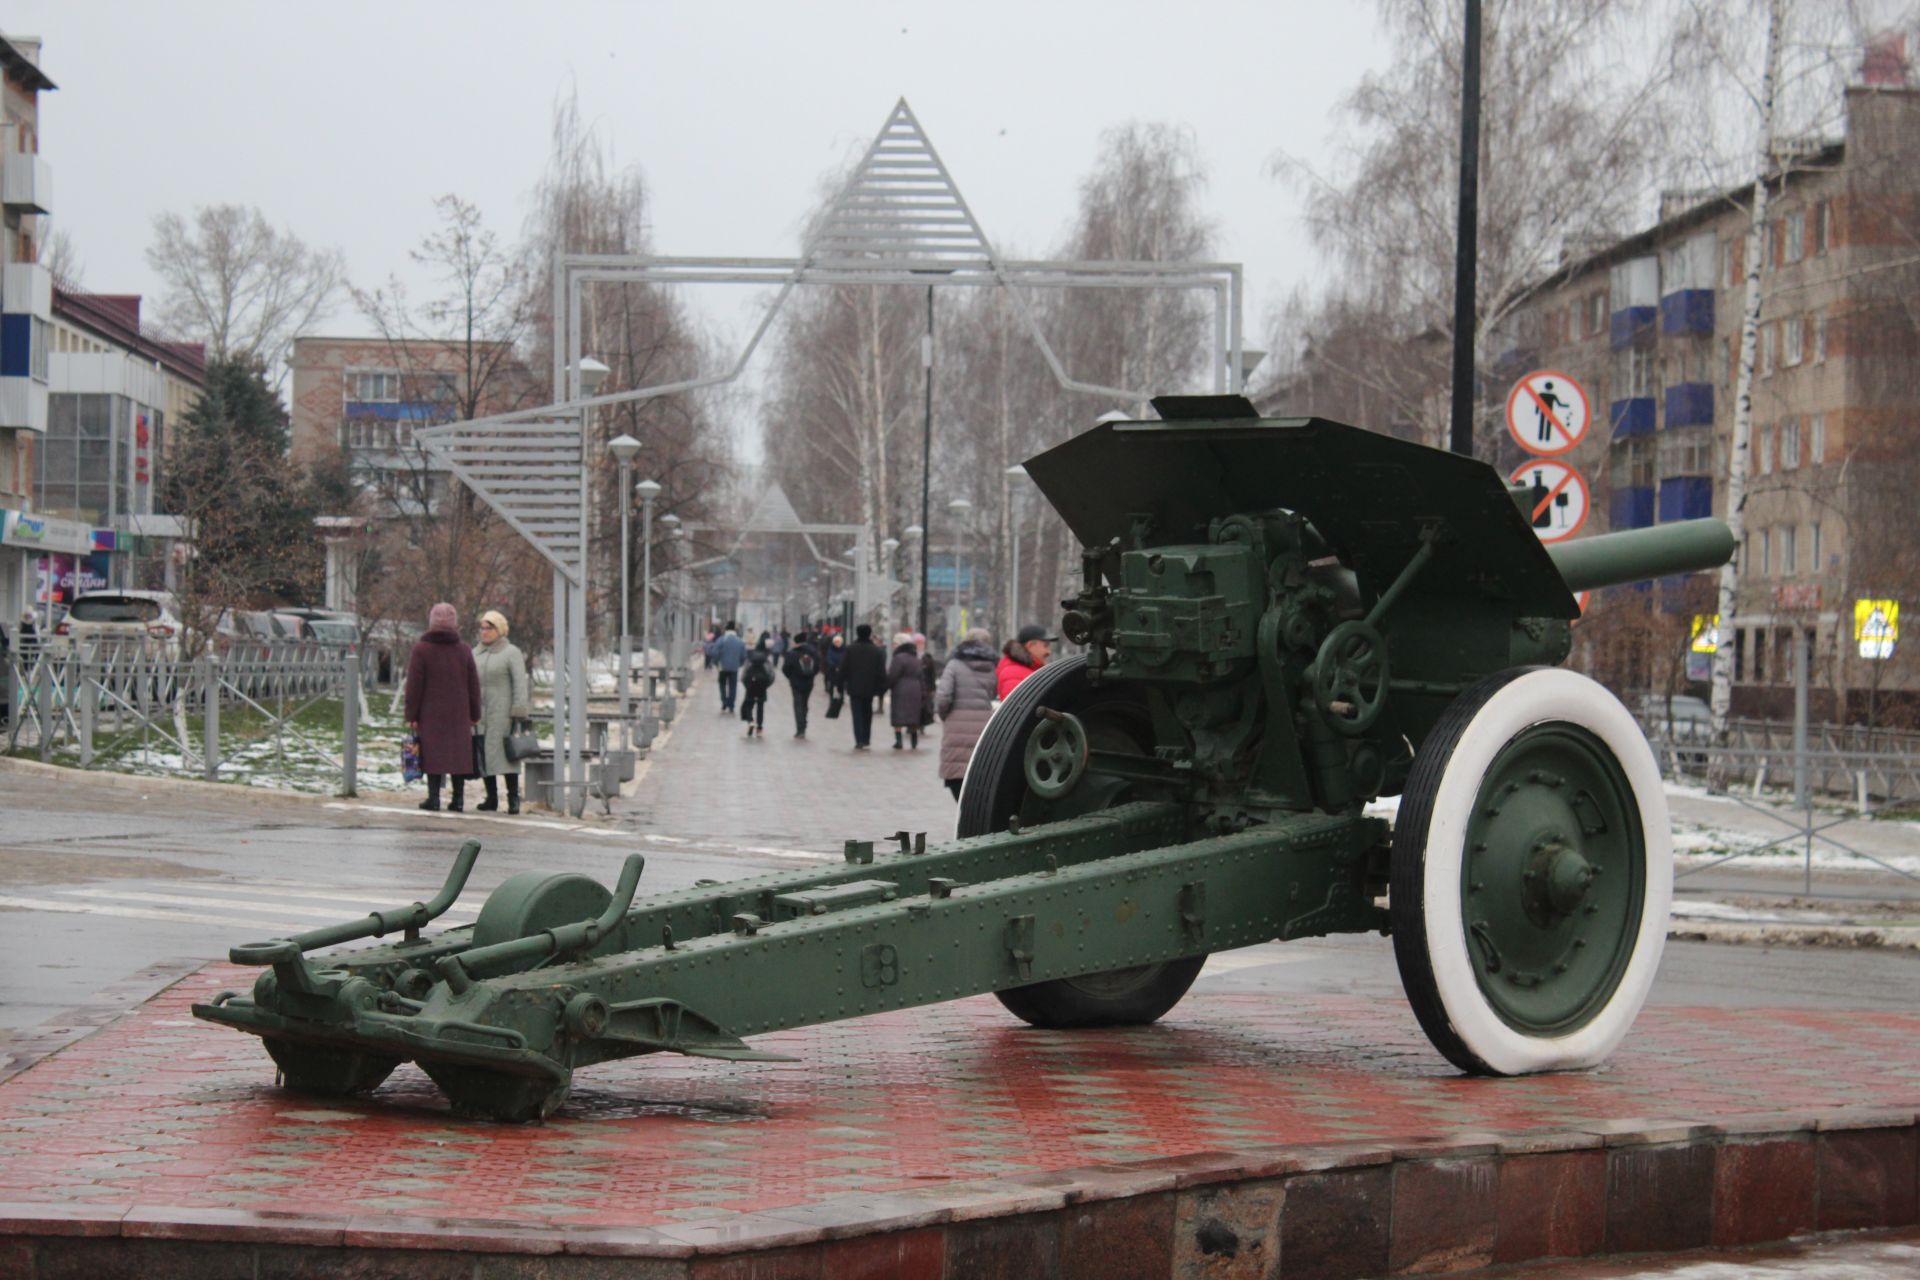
<point>1350,677</point>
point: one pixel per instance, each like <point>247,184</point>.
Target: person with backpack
<point>756,677</point>
<point>801,667</point>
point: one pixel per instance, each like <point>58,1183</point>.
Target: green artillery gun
<point>1283,620</point>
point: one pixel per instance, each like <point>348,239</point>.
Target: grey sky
<point>344,121</point>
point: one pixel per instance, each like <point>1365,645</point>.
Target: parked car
<point>328,626</point>
<point>146,620</point>
<point>1680,721</point>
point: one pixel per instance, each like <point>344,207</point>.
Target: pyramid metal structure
<point>900,203</point>
<point>530,468</point>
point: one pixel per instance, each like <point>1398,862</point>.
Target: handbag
<point>522,744</point>
<point>479,755</point>
<point>834,703</point>
<point>410,768</point>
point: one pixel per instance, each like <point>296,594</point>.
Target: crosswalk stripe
<point>185,900</point>
<point>148,913</point>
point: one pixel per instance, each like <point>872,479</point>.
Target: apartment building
<point>363,398</point>
<point>1651,327</point>
<point>26,308</point>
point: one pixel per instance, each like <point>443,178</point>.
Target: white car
<point>142,621</point>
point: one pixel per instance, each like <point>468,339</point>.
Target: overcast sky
<point>344,121</point>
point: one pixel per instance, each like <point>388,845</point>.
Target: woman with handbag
<point>443,705</point>
<point>505,697</point>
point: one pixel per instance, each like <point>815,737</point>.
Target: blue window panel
<point>396,411</point>
<point>1685,497</point>
<point>1632,508</point>
<point>1687,311</point>
<point>1629,321</point>
<point>16,345</point>
<point>1690,404</point>
<point>1631,417</point>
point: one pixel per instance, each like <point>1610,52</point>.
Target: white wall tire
<point>1474,1003</point>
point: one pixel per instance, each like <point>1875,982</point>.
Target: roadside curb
<point>1892,937</point>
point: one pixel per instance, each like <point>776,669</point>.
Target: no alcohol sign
<point>1548,412</point>
<point>1557,501</point>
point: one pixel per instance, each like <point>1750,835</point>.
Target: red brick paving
<point>160,1109</point>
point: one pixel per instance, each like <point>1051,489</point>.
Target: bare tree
<point>587,203</point>
<point>1569,136</point>
<point>236,283</point>
<point>456,353</point>
<point>62,260</point>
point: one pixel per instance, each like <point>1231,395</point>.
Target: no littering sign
<point>1557,500</point>
<point>1548,412</point>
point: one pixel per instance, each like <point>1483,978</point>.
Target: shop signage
<point>46,533</point>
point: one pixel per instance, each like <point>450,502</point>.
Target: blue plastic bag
<point>410,758</point>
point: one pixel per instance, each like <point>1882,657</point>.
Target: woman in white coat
<point>505,696</point>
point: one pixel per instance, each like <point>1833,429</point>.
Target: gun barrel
<point>1613,558</point>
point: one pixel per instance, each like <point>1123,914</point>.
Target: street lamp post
<point>671,523</point>
<point>1016,473</point>
<point>959,507</point>
<point>624,449</point>
<point>648,491</point>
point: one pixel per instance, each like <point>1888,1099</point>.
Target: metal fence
<point>100,700</point>
<point>1870,770</point>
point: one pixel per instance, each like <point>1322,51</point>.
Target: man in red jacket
<point>1025,654</point>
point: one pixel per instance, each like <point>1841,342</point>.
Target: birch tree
<point>242,286</point>
<point>1571,110</point>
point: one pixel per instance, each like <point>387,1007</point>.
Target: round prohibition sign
<point>1548,413</point>
<point>1557,498</point>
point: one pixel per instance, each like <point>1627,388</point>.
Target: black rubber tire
<point>327,1072</point>
<point>996,789</point>
<point>1065,1002</point>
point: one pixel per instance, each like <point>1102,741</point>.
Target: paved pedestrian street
<point>785,793</point>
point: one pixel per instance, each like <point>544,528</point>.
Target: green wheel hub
<point>1554,879</point>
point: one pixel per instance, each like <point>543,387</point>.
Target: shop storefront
<point>45,560</point>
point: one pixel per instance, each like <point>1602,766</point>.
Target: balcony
<point>26,183</point>
<point>1631,417</point>
<point>1690,404</point>
<point>1685,497</point>
<point>1687,312</point>
<point>26,289</point>
<point>1632,508</point>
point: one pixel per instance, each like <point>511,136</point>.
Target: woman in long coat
<point>964,701</point>
<point>443,705</point>
<point>906,690</point>
<point>506,695</point>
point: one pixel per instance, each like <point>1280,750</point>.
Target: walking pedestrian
<point>443,705</point>
<point>729,652</point>
<point>907,688</point>
<point>756,677</point>
<point>835,653</point>
<point>506,695</point>
<point>1025,654</point>
<point>710,648</point>
<point>863,674</point>
<point>801,668</point>
<point>964,701</point>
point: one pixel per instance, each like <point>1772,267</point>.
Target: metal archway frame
<point>899,220</point>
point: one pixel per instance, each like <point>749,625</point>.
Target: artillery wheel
<point>1115,718</point>
<point>325,1071</point>
<point>476,1093</point>
<point>1531,876</point>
